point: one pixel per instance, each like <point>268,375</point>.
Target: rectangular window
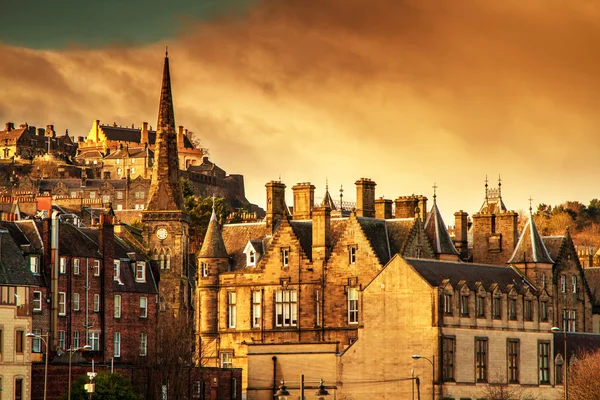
<point>449,346</point>
<point>117,306</point>
<point>352,305</point>
<point>62,304</point>
<point>34,264</point>
<point>62,266</point>
<point>36,342</point>
<point>544,362</point>
<point>447,304</point>
<point>497,307</point>
<point>143,344</point>
<point>226,359</point>
<point>480,307</point>
<point>143,307</point>
<point>569,320</point>
<point>117,343</point>
<point>75,301</point>
<point>92,195</point>
<point>512,352</point>
<point>528,310</point>
<point>76,339</point>
<point>317,308</point>
<point>61,339</point>
<point>285,257</point>
<point>140,272</point>
<point>464,305</point>
<point>132,169</point>
<point>204,270</point>
<point>117,275</point>
<point>119,195</point>
<point>544,311</point>
<point>543,280</point>
<point>286,308</point>
<point>76,266</point>
<point>133,160</point>
<point>574,283</point>
<point>73,194</point>
<point>563,283</point>
<point>96,267</point>
<point>352,255</point>
<point>231,309</point>
<point>512,309</point>
<point>481,359</point>
<point>19,341</point>
<point>94,340</point>
<point>96,303</point>
<point>19,389</point>
<point>37,301</point>
<point>256,309</point>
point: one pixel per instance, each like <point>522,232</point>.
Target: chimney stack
<point>460,233</point>
<point>9,126</point>
<point>304,200</point>
<point>144,133</point>
<point>321,222</point>
<point>275,204</point>
<point>180,137</point>
<point>383,208</point>
<point>365,198</point>
<point>406,206</point>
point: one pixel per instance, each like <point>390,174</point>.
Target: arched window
<point>162,260</point>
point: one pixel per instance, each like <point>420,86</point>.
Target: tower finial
<point>434,192</point>
<point>326,184</point>
<point>530,206</point>
<point>486,186</point>
<point>341,196</point>
<point>213,201</point>
<point>166,51</point>
<point>499,186</point>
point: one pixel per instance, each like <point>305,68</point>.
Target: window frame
<point>62,305</point>
<point>76,264</point>
<point>96,302</point>
<point>62,265</point>
<point>352,302</point>
<point>543,311</point>
<point>352,250</point>
<point>513,354</point>
<point>574,283</point>
<point>117,270</point>
<point>231,309</point>
<point>117,306</point>
<point>464,304</point>
<point>448,358</point>
<point>543,370</point>
<point>143,344</point>
<point>512,309</point>
<point>256,311</point>
<point>480,306</point>
<point>36,341</point>
<point>144,310</point>
<point>96,267</point>
<point>448,309</point>
<point>94,340</point>
<point>481,359</point>
<point>563,283</point>
<point>285,257</point>
<point>19,344</point>
<point>140,272</point>
<point>528,310</point>
<point>37,293</point>
<point>34,264</point>
<point>286,305</point>
<point>226,359</point>
<point>76,301</point>
<point>496,307</point>
<point>62,339</point>
<point>117,345</point>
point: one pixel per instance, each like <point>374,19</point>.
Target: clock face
<point>161,233</point>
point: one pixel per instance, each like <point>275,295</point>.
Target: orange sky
<point>407,93</point>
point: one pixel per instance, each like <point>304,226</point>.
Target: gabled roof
<point>303,232</point>
<point>130,152</point>
<point>14,269</point>
<point>398,233</point>
<point>376,233</point>
<point>134,135</point>
<point>530,248</point>
<point>435,272</point>
<point>437,232</point>
<point>236,237</point>
<point>73,242</point>
<point>553,245</point>
<point>592,277</point>
<point>328,201</point>
<point>213,245</point>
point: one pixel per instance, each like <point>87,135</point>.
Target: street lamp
<point>44,339</point>
<point>322,392</point>
<point>566,360</point>
<point>71,352</point>
<point>416,357</point>
<point>283,393</point>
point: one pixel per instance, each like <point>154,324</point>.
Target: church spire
<point>165,192</point>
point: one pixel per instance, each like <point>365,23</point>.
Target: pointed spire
<point>327,199</point>
<point>213,245</point>
<point>165,191</point>
<point>435,228</point>
<point>530,248</point>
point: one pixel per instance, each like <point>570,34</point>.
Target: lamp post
<point>44,339</point>
<point>283,393</point>
<point>71,352</point>
<point>432,361</point>
<point>566,360</point>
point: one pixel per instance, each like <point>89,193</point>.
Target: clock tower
<point>164,220</point>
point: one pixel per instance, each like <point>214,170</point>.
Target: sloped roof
<point>14,269</point>
<point>553,244</point>
<point>530,248</point>
<point>213,245</point>
<point>130,152</point>
<point>73,242</point>
<point>437,232</point>
<point>435,272</point>
<point>236,236</point>
<point>398,232</point>
<point>50,184</point>
<point>328,201</point>
<point>376,232</point>
<point>592,276</point>
<point>303,231</point>
<point>134,135</point>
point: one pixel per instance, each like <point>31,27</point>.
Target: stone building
<point>128,162</point>
<point>27,142</point>
<point>298,276</point>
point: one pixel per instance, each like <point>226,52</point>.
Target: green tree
<point>108,387</point>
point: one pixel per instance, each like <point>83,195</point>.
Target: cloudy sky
<point>406,92</point>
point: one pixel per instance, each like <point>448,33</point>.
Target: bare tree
<point>498,389</point>
<point>583,377</point>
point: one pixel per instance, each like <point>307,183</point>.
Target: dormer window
<point>252,251</point>
<point>34,264</point>
<point>251,258</point>
<point>140,272</point>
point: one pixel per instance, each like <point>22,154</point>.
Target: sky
<point>409,93</point>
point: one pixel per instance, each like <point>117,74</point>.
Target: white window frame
<point>62,265</point>
<point>251,261</point>
<point>76,262</point>
<point>286,308</point>
<point>117,266</point>
<point>231,309</point>
<point>117,308</point>
<point>143,307</point>
<point>96,267</point>
<point>62,304</point>
<point>36,342</point>
<point>285,257</point>
<point>204,269</point>
<point>62,339</point>
<point>132,170</point>
<point>352,254</point>
<point>94,340</point>
<point>226,359</point>
<point>34,264</point>
<point>119,194</point>
<point>143,344</point>
<point>93,194</point>
<point>256,308</point>
<point>140,271</point>
<point>75,339</point>
<point>574,283</point>
<point>96,303</point>
<point>75,301</point>
<point>37,302</point>
<point>352,305</point>
<point>117,344</point>
<point>563,283</point>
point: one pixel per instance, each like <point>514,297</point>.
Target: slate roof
<point>32,231</point>
<point>258,246</point>
<point>213,246</point>
<point>236,237</point>
<point>49,184</point>
<point>530,248</point>
<point>122,134</point>
<point>437,232</point>
<point>553,244</point>
<point>73,242</point>
<point>303,231</point>
<point>90,154</point>
<point>398,232</point>
<point>131,152</point>
<point>328,201</point>
<point>376,232</point>
<point>577,342</point>
<point>14,269</point>
<point>435,272</point>
<point>592,276</point>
